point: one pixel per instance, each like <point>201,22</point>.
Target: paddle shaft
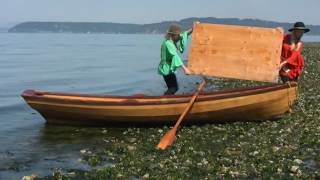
<point>169,137</point>
<point>188,108</point>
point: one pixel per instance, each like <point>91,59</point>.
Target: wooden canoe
<point>246,104</point>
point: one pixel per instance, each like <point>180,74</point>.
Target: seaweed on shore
<point>285,148</point>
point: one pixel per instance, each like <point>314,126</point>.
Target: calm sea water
<point>82,63</point>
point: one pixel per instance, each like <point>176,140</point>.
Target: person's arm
<point>292,60</point>
<point>292,47</point>
<point>284,62</point>
<point>183,41</point>
<point>298,47</point>
<point>296,51</point>
<point>176,61</point>
<point>191,29</point>
<point>186,70</point>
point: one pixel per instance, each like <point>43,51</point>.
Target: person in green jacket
<point>175,40</point>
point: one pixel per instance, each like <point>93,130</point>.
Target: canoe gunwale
<point>33,95</point>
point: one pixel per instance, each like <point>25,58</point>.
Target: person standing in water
<point>292,61</point>
<point>175,40</point>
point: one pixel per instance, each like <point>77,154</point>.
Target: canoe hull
<point>237,105</point>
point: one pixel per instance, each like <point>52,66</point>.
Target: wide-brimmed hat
<point>174,29</point>
<point>299,26</point>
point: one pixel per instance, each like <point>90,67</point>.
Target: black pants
<point>172,84</point>
<point>285,79</point>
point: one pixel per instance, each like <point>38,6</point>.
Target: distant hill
<point>154,28</point>
<point>5,26</point>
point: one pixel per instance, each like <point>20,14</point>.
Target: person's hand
<point>187,71</point>
<point>282,64</point>
<point>191,30</point>
<point>280,29</point>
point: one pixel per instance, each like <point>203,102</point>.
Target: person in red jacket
<point>292,61</point>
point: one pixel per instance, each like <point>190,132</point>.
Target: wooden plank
<point>240,52</point>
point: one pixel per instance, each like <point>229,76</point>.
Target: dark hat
<point>299,25</point>
<point>174,29</point>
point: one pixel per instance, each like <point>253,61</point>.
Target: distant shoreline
<point>306,38</point>
<point>312,44</point>
<point>128,28</point>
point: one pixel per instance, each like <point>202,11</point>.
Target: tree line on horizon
<point>153,28</point>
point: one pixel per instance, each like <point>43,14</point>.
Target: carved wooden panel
<point>240,52</point>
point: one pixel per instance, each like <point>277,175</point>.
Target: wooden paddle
<point>170,136</point>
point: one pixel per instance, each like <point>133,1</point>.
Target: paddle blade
<point>167,139</point>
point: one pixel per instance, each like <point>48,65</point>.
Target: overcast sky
<point>148,11</point>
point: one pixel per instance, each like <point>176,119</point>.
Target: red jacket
<point>295,61</point>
